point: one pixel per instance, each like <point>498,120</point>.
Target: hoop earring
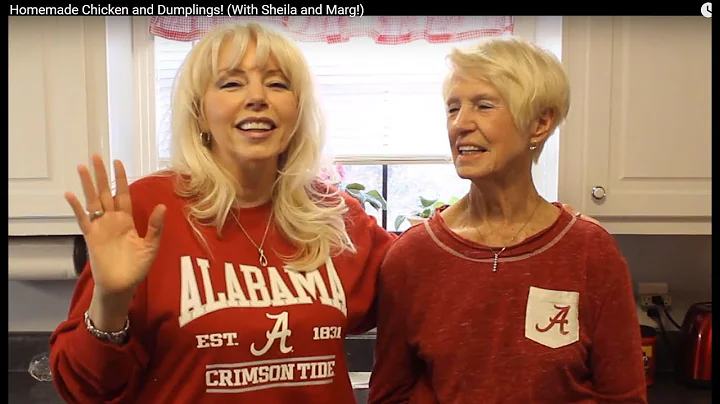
<point>205,139</point>
<point>533,146</point>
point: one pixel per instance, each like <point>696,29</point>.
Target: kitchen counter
<point>26,390</point>
<point>23,389</point>
<point>668,390</point>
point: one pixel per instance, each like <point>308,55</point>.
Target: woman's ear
<point>202,123</point>
<point>542,126</point>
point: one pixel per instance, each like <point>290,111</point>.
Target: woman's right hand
<point>120,259</point>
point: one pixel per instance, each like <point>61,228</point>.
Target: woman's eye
<point>278,85</point>
<point>231,84</point>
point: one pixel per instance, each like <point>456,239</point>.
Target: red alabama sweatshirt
<point>221,328</point>
<point>555,324</point>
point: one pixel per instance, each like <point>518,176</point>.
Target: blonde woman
<point>261,270</point>
<point>505,297</point>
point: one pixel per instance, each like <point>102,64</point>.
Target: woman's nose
<point>256,97</point>
<point>256,103</point>
<point>461,124</point>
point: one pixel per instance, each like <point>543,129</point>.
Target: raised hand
<point>119,257</point>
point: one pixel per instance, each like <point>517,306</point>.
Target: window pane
<point>168,57</point>
<point>371,108</point>
<point>368,175</point>
<point>407,183</point>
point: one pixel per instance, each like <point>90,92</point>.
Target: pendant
<point>495,263</point>
<point>263,260</point>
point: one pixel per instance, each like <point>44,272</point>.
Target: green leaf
<point>426,202</point>
<point>356,186</point>
<point>438,204</point>
<point>426,213</point>
<point>453,200</point>
<point>399,221</point>
<point>357,195</point>
<point>381,204</point>
<point>374,202</point>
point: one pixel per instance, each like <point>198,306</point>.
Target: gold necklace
<point>263,259</point>
<point>497,254</point>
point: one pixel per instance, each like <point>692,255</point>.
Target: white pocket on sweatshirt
<point>551,317</point>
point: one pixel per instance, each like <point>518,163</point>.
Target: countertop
<point>23,389</point>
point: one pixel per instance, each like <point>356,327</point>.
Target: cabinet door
<point>639,130</point>
<point>49,121</point>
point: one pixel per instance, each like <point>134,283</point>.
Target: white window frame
<point>130,60</point>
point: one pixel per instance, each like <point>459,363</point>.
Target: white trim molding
<point>132,107</point>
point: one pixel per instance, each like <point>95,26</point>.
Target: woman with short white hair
<point>504,297</point>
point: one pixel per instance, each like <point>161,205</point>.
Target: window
<point>384,114</point>
<point>371,95</point>
<point>168,56</point>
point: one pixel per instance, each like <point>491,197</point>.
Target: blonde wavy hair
<point>309,214</point>
<point>530,79</point>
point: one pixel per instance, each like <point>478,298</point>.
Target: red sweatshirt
<point>555,324</point>
<point>221,328</point>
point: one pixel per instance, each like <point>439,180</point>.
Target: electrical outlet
<point>646,290</point>
<point>645,301</point>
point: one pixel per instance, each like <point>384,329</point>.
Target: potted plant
<point>364,196</point>
<point>426,209</point>
<point>354,189</point>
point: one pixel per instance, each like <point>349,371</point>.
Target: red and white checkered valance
<point>383,30</point>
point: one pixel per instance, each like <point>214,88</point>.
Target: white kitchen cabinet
<point>639,130</point>
<point>57,109</point>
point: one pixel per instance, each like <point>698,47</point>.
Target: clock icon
<point>706,10</point>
